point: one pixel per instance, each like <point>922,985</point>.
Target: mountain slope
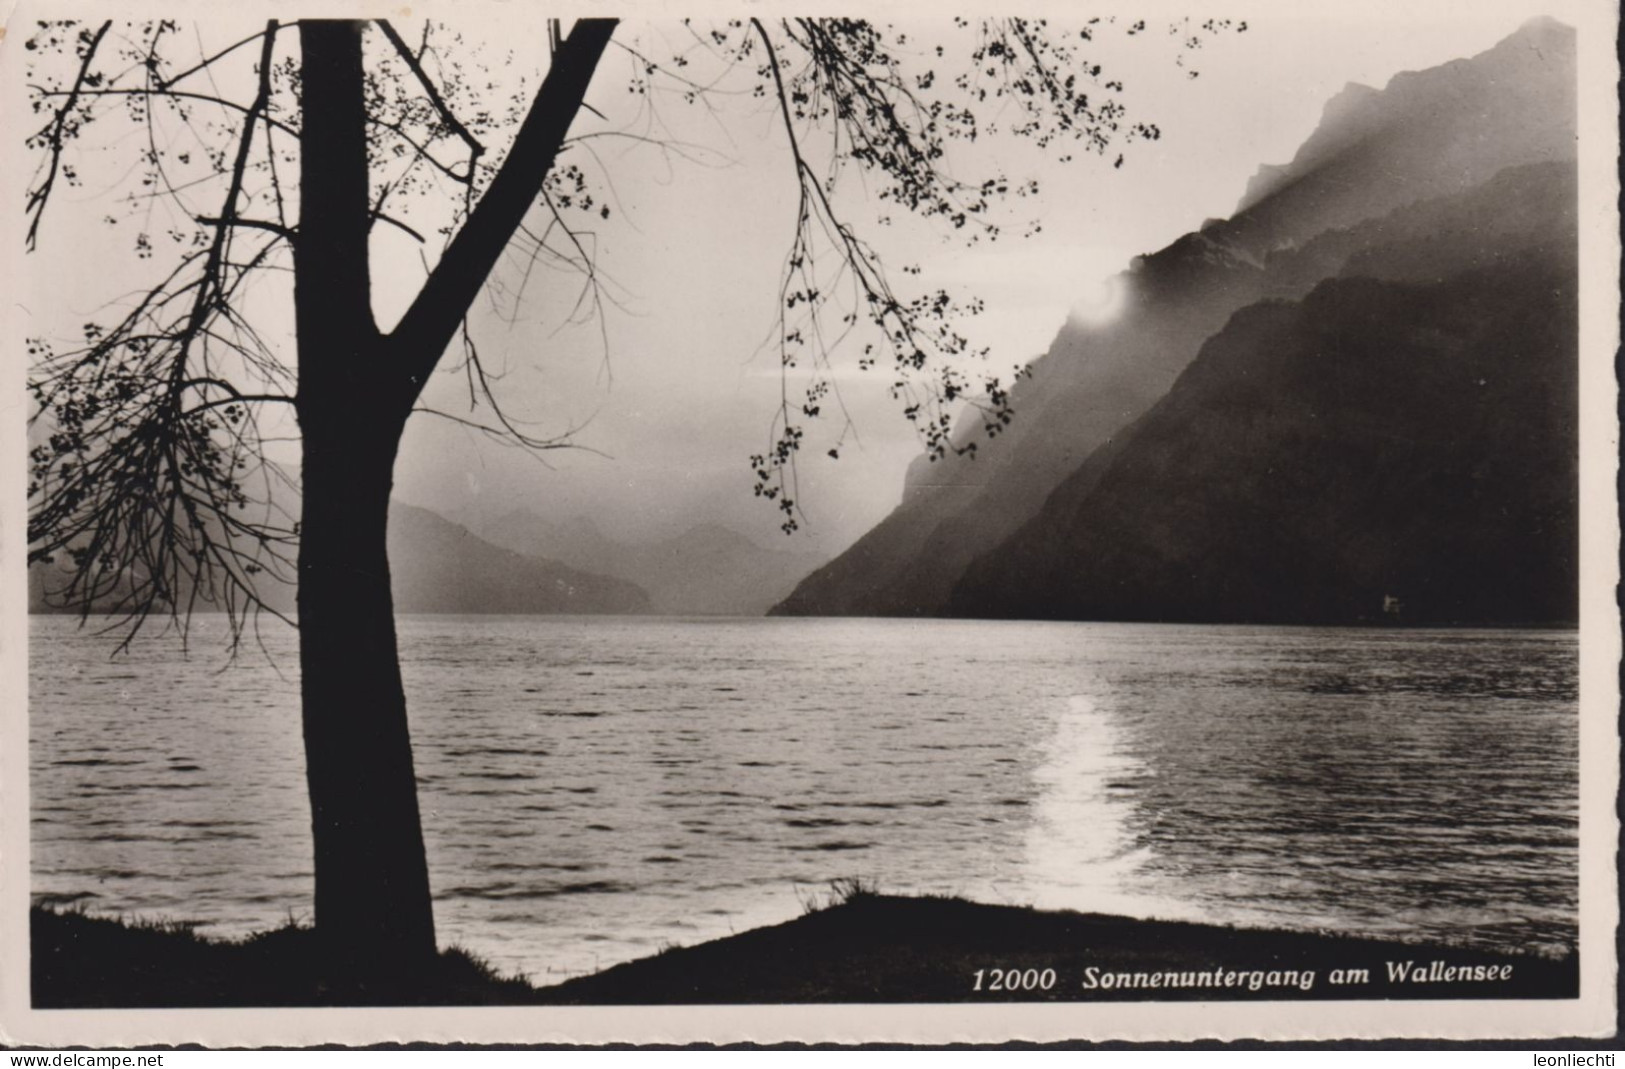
<point>707,570</point>
<point>1375,439</point>
<point>440,567</point>
<point>1377,155</point>
<point>1426,134</point>
<point>437,566</point>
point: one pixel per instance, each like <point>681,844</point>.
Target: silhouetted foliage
<point>164,397</point>
<point>249,179</point>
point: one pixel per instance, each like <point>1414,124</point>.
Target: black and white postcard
<point>749,523</point>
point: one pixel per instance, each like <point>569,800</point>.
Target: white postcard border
<point>1593,1014</point>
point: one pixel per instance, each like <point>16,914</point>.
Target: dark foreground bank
<point>867,948</point>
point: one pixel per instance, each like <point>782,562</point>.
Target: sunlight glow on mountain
<point>1101,303</point>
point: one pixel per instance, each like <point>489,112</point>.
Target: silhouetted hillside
<point>1376,440</point>
<point>1381,172</point>
<point>1426,134</point>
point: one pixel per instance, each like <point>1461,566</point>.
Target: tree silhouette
<point>263,168</point>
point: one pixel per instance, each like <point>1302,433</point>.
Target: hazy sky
<point>686,392</point>
<point>696,241</point>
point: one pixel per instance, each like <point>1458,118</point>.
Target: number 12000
<point>1014,980</point>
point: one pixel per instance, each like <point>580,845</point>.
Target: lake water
<point>597,788</point>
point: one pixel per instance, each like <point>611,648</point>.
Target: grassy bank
<point>82,961</point>
<point>864,948</point>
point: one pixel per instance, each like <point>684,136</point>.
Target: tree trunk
<point>356,390</point>
<point>372,886</point>
<point>372,882</point>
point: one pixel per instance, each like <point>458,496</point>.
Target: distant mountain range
<point>1356,392</point>
<point>525,565</point>
<point>707,570</point>
<point>437,566</point>
<point>1354,399</point>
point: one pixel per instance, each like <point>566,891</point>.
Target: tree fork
<point>433,318</point>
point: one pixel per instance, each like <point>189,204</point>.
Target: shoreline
<point>865,947</point>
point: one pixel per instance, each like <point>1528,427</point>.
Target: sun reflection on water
<point>1082,852</point>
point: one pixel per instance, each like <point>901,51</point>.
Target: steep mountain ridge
<point>1425,134</point>
<point>1526,213</point>
<point>1377,450</point>
<point>1377,155</point>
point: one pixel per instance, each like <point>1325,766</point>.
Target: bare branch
<point>254,224</point>
<point>399,225</point>
<point>176,94</point>
<point>54,133</point>
<point>475,148</point>
<point>140,478</point>
<point>165,83</point>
